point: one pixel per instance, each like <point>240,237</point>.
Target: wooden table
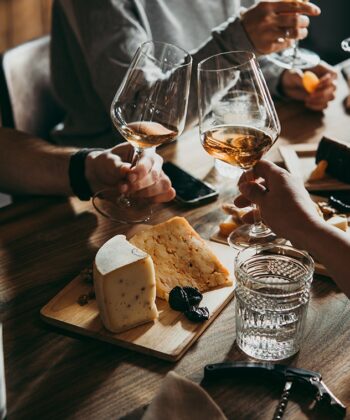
<point>50,374</point>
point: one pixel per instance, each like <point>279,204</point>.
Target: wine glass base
<point>127,210</point>
<point>287,59</point>
<point>243,237</point>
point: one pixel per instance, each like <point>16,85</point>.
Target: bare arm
<point>30,165</point>
<point>288,209</point>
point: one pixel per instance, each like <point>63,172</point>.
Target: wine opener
<point>289,375</point>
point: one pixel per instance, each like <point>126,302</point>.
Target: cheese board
<point>299,159</point>
<point>168,337</point>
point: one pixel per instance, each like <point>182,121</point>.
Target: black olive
<point>178,299</point>
<point>194,295</point>
<point>197,314</point>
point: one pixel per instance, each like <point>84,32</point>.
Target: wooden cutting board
<point>169,337</point>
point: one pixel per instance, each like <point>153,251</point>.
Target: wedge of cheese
<point>181,257</point>
<point>125,285</point>
<point>339,221</point>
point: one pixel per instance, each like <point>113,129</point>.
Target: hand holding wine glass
<point>295,57</point>
<point>238,139</point>
<point>149,109</point>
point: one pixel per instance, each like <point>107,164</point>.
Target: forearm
<point>30,165</point>
<point>331,247</point>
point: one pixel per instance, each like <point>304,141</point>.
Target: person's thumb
<point>252,191</point>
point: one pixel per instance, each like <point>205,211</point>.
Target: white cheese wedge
<point>340,221</point>
<point>125,285</point>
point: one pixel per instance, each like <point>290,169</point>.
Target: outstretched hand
<point>272,25</point>
<point>112,169</point>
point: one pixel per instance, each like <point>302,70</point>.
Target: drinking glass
<point>346,44</point>
<point>295,57</point>
<point>272,296</point>
<point>149,109</point>
<point>242,138</point>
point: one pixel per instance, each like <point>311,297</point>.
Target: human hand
<point>292,86</point>
<point>111,169</point>
<point>284,203</point>
<point>271,26</point>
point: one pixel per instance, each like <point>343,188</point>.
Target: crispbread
<point>181,257</point>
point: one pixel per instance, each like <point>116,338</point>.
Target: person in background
<point>93,42</point>
<point>286,207</point>
<point>31,165</point>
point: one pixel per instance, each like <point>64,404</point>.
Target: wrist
<point>311,234</point>
<point>79,182</point>
<point>90,169</point>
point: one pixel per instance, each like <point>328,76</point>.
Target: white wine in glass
<point>295,57</point>
<point>149,109</point>
<point>243,139</point>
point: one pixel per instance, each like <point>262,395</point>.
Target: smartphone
<point>189,190</point>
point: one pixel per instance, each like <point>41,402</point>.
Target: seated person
<point>32,166</point>
<point>93,43</point>
<point>287,208</point>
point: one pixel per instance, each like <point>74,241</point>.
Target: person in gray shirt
<point>93,43</point>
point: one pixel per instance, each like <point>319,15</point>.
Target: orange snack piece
<point>319,172</point>
<point>227,227</point>
<point>310,81</point>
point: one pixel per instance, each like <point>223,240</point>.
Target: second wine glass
<point>238,138</point>
<point>295,57</point>
<point>149,109</point>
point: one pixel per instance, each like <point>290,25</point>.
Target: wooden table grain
<point>51,374</point>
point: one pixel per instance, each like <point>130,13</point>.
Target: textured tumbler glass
<point>272,296</point>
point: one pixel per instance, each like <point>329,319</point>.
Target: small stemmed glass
<point>295,57</point>
<point>346,44</point>
<point>149,109</point>
<point>238,139</point>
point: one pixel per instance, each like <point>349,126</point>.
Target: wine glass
<point>240,139</point>
<point>346,44</point>
<point>295,57</point>
<point>149,109</point>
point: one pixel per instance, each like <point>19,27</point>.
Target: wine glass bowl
<point>238,138</point>
<point>149,109</point>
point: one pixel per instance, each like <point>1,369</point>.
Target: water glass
<point>272,296</point>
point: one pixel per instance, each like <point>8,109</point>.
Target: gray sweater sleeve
<point>109,32</point>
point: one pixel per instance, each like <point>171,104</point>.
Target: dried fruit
<point>86,275</point>
<point>194,295</point>
<point>197,314</point>
<point>310,81</point>
<point>83,300</point>
<point>178,299</point>
<point>184,298</point>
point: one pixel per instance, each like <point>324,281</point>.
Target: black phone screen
<point>186,186</point>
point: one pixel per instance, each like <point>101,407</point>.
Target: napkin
<point>182,399</point>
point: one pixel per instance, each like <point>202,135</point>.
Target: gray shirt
<point>93,43</point>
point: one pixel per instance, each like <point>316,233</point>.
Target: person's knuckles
<point>301,33</point>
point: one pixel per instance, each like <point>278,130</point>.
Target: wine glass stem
<point>258,228</point>
<point>136,156</point>
<point>295,52</point>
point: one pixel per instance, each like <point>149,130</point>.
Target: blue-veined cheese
<point>125,285</point>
